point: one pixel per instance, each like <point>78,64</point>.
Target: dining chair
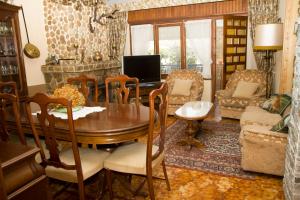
<point>84,82</point>
<point>9,103</point>
<point>73,164</point>
<point>120,86</point>
<point>139,158</point>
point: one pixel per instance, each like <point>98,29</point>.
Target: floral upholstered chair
<point>184,86</point>
<point>231,105</point>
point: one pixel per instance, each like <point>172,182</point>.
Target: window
<point>198,46</point>
<point>169,48</point>
<point>142,42</point>
<point>180,45</point>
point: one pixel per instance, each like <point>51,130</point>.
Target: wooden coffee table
<point>191,111</point>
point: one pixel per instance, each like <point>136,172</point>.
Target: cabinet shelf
<point>11,60</point>
<point>8,56</point>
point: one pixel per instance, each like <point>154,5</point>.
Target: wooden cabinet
<point>235,45</point>
<point>11,55</point>
<point>21,177</point>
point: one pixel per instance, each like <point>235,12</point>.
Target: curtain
<point>142,39</point>
<point>198,46</point>
<point>262,12</point>
<point>117,35</point>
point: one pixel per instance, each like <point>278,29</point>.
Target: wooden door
<point>235,45</point>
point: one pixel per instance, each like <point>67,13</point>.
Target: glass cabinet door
<point>11,56</point>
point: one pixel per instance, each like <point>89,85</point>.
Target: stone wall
<point>292,162</point>
<point>57,75</point>
<point>67,27</point>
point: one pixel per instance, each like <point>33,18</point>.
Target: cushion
<point>91,163</point>
<point>245,89</point>
<point>131,158</point>
<point>277,103</point>
<point>282,125</point>
<point>182,87</point>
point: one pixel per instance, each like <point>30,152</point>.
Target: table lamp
<point>268,38</point>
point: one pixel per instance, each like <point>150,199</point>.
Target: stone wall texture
<point>292,163</point>
<point>67,26</point>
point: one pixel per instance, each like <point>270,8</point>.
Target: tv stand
<point>145,89</point>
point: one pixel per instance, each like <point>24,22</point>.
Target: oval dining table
<point>117,123</point>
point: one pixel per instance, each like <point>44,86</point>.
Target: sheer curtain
<point>198,46</point>
<point>142,39</point>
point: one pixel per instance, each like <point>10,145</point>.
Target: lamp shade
<point>268,37</point>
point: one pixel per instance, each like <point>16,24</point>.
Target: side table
<point>191,111</point>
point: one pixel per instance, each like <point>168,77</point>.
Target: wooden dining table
<point>117,123</point>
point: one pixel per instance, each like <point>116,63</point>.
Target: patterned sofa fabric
<point>237,105</point>
<point>262,150</point>
<point>175,101</point>
<point>255,115</point>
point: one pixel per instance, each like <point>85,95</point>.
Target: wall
<point>68,33</point>
<point>278,54</point>
<point>36,30</point>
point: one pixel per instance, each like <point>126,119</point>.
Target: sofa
<point>262,150</point>
<point>233,107</point>
<point>184,85</point>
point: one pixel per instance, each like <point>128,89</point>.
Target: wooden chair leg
<point>81,190</point>
<point>109,183</point>
<point>150,186</point>
<point>166,175</point>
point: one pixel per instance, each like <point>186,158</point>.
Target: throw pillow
<point>282,125</point>
<point>277,103</point>
<point>245,89</point>
<point>182,87</point>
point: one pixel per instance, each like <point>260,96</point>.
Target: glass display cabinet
<point>11,54</point>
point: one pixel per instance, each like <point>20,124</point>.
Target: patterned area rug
<point>220,155</point>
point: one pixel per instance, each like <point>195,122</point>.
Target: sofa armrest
<point>262,150</point>
<point>263,134</point>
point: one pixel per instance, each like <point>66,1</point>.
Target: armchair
<point>233,107</point>
<point>194,92</point>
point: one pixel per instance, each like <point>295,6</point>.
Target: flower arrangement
<point>71,93</point>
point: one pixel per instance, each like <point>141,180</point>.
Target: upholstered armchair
<point>232,106</point>
<point>184,86</point>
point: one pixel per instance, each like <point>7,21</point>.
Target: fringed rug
<point>220,155</point>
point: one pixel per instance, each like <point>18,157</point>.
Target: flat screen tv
<point>145,67</point>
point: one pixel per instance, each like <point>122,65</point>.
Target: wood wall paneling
<point>192,11</point>
<point>289,43</point>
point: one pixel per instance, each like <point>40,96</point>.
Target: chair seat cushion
<point>258,116</point>
<point>234,102</point>
<point>91,162</point>
<point>131,158</point>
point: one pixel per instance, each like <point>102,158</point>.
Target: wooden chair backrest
<point>84,82</point>
<point>159,116</point>
<point>9,102</point>
<point>122,91</point>
<point>47,127</point>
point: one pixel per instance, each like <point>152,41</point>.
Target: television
<point>144,67</point>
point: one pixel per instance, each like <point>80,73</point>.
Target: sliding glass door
<point>169,48</point>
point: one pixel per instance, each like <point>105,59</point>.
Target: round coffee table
<point>191,111</point>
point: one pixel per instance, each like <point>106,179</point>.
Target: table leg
<point>191,141</point>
